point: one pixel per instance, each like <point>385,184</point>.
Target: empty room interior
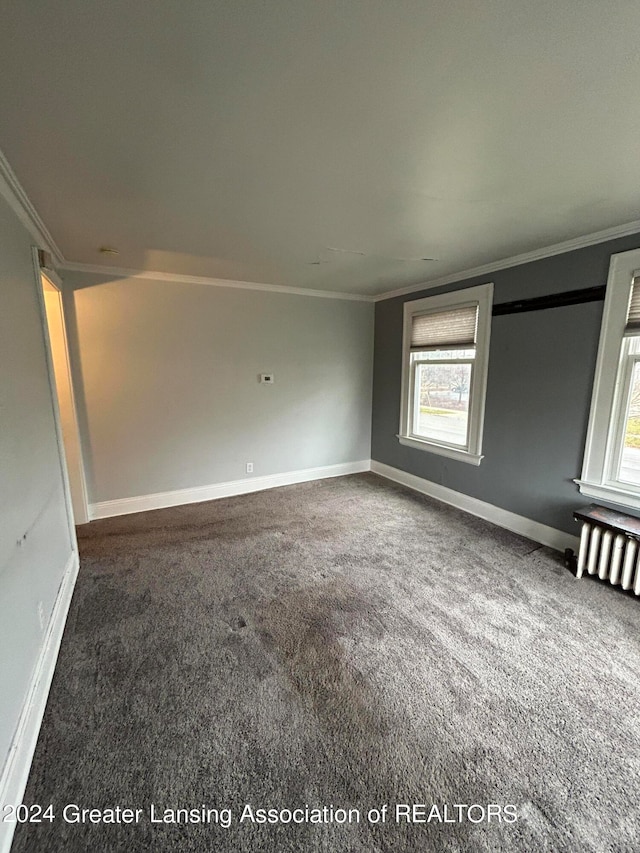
<point>319,426</point>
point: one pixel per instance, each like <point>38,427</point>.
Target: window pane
<point>440,354</point>
<point>442,402</point>
<point>630,464</point>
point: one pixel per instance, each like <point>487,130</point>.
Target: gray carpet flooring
<point>343,644</point>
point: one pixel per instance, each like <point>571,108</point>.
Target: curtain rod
<point>555,300</point>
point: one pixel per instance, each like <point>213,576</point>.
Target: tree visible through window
<point>443,384</point>
<point>629,468</point>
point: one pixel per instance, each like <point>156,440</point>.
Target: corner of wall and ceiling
<point>624,230</point>
<point>15,195</point>
<point>119,272</point>
<point>12,191</point>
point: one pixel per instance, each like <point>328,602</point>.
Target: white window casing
<point>611,387</point>
<point>480,298</point>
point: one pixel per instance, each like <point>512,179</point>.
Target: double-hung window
<point>444,372</point>
<point>611,469</point>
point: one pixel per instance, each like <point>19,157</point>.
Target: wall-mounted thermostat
<point>267,378</point>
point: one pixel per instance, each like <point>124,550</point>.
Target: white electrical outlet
<point>249,467</point>
<point>267,378</point>
<point>41,615</point>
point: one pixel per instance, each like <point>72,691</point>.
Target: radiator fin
<point>612,556</point>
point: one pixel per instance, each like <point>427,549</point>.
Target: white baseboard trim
<point>161,500</point>
<point>18,764</point>
<point>541,533</point>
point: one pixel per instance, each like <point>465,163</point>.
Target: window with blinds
<point>611,466</point>
<point>632,326</point>
<point>446,339</point>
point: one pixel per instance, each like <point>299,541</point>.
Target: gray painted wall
<point>541,368</point>
<point>167,382</point>
<point>35,541</point>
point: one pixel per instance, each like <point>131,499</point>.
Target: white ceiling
<point>242,139</point>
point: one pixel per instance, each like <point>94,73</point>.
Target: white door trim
<point>78,508</point>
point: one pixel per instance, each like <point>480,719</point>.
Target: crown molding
<point>71,266</point>
<point>11,189</point>
<point>516,260</point>
<point>18,200</point>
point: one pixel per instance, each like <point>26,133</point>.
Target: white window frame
<point>482,296</point>
<point>610,391</point>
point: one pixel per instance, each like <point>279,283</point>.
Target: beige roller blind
<point>633,315</point>
<point>454,329</point>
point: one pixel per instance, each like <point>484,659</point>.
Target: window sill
<point>440,449</point>
<point>613,494</point>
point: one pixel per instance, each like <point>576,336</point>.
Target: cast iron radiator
<point>609,546</point>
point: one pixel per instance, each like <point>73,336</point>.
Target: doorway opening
<point>63,387</point>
